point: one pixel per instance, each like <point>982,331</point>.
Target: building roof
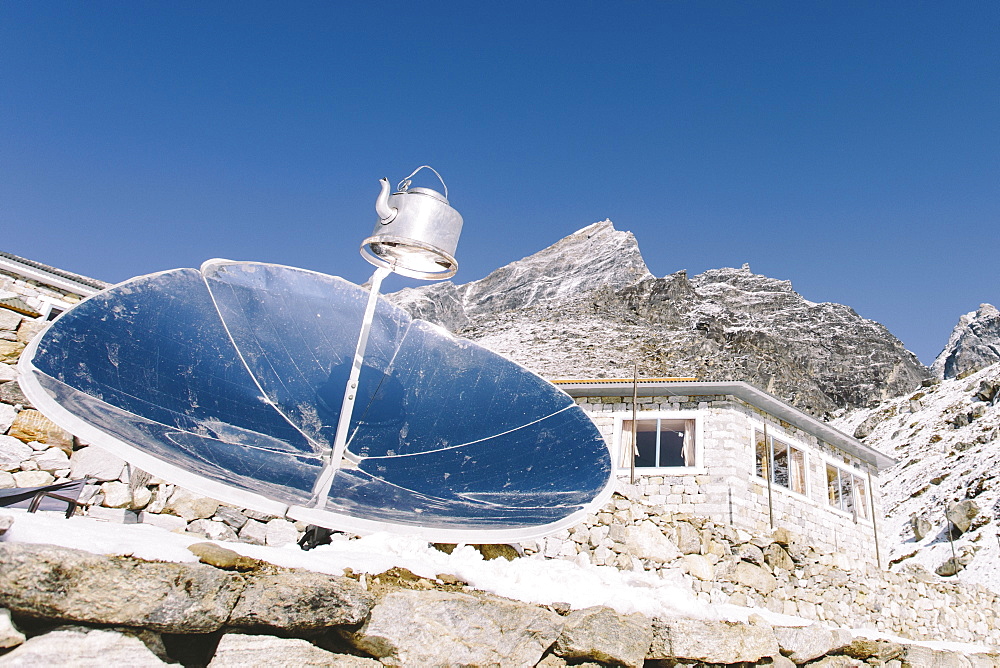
<point>57,278</point>
<point>615,387</point>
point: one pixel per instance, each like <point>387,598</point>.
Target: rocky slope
<point>588,307</point>
<point>943,498</point>
<point>973,344</point>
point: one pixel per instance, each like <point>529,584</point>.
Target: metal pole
<point>635,397</point>
<point>767,465</point>
<point>335,455</point>
<point>871,502</point>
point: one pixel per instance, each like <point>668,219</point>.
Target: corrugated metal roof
<point>771,405</point>
<point>58,278</point>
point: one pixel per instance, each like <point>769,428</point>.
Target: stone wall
<point>67,607</point>
<point>725,489</point>
<point>779,571</point>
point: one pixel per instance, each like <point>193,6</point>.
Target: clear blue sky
<point>850,147</point>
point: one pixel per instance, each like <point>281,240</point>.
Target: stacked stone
<point>722,564</point>
<point>68,607</point>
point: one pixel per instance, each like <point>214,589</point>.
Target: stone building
<point>733,453</point>
<point>40,292</point>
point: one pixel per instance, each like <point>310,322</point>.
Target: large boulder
<point>91,462</point>
<point>601,634</point>
<point>962,513</point>
<point>646,541</point>
<point>434,628</point>
<point>711,641</point>
<point>237,650</point>
<point>190,506</point>
<point>30,425</point>
<point>805,643</point>
<point>60,583</point>
<point>81,646</point>
<point>300,601</point>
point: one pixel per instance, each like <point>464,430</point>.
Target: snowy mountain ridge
<point>587,306</point>
<point>973,344</point>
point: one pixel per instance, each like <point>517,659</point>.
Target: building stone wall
<point>725,489</point>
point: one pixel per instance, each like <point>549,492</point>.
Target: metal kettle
<point>417,232</point>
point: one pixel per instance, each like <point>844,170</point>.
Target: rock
<point>805,643</point>
<point>280,532</point>
<point>92,462</point>
<point>601,634</point>
<point>10,636</point>
<point>7,480</point>
<point>749,575</point>
<point>29,329</point>
<point>10,393</point>
<point>646,541</point>
<point>865,429</point>
<point>7,373</point>
<point>60,583</point>
<point>80,646</point>
<point>161,494</point>
<point>688,538</point>
<point>775,556</point>
<point>300,601</point>
<point>10,351</point>
<point>7,415</point>
<point>189,505</point>
<point>30,425</point>
<point>33,479</point>
<point>974,343</point>
<point>141,496</point>
<point>952,566</point>
<point>752,553</point>
<point>253,532</point>
<point>432,628</point>
<point>237,650</point>
<point>784,537</point>
<point>220,557</point>
<point>6,522</point>
<point>168,522</point>
<point>231,516</point>
<point>711,641</point>
<point>10,320</point>
<point>698,566</point>
<point>962,513</point>
<point>921,527</point>
<point>871,648</point>
<point>836,662</point>
<point>13,451</point>
<point>116,495</point>
<point>213,530</point>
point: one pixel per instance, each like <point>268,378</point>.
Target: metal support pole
<point>767,468</point>
<point>871,502</point>
<point>334,456</point>
<point>635,401</point>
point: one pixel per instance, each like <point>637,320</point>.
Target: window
<point>846,491</point>
<point>659,442</point>
<point>787,463</point>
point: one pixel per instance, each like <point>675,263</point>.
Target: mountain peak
<point>973,344</point>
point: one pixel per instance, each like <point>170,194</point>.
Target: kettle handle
<point>405,183</point>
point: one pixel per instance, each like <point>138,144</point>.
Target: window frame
<point>862,500</point>
<point>620,464</point>
<point>790,444</point>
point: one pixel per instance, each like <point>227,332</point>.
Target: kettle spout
<point>385,212</point>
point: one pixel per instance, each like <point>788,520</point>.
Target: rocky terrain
<point>587,307</point>
<point>973,344</point>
